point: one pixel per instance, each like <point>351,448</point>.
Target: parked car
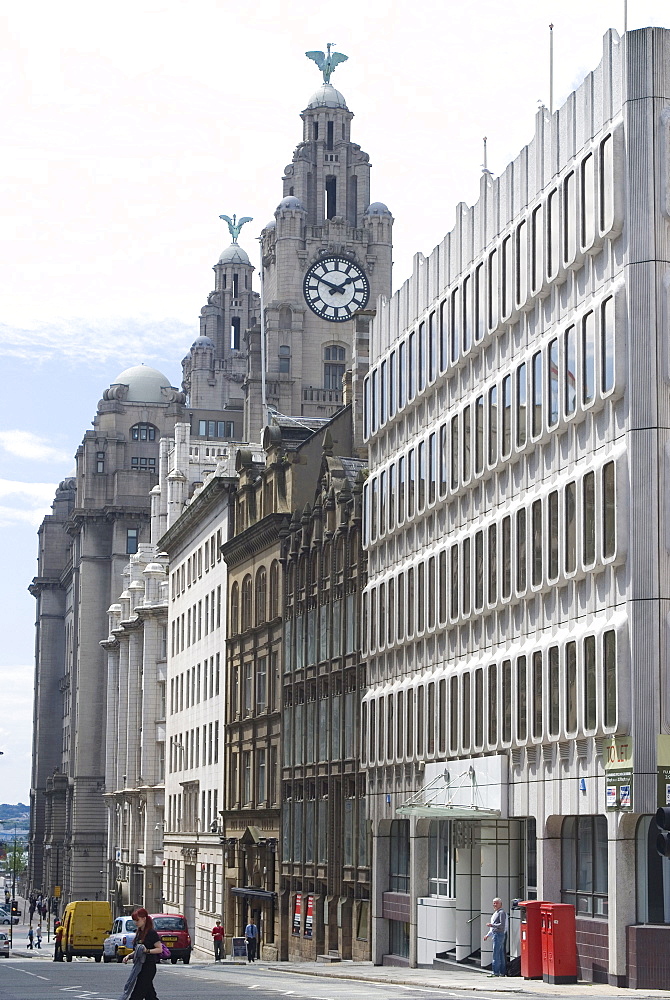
<point>6,916</point>
<point>4,945</point>
<point>120,941</point>
<point>173,932</point>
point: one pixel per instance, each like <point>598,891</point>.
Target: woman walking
<point>148,951</point>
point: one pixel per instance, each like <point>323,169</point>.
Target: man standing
<point>58,951</point>
<point>217,934</point>
<point>497,928</point>
<point>251,936</point>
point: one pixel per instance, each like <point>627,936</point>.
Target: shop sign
<point>297,910</point>
<point>618,762</point>
<point>663,771</point>
<point>309,916</point>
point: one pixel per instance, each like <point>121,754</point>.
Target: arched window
<point>274,590</point>
<point>261,595</point>
<point>144,432</point>
<point>234,609</point>
<point>246,603</point>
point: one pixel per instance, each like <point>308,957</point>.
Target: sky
<point>129,128</point>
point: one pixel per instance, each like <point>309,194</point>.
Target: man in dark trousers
<point>251,936</point>
<point>217,934</point>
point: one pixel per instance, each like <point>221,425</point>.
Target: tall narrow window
<point>443,462</point>
<point>570,527</point>
<point>571,686</point>
<point>453,715</point>
<point>431,592</point>
<point>410,602</point>
<point>521,263</point>
<point>392,499</point>
<point>492,562</point>
<point>493,425</point>
<point>421,477</point>
<point>588,358</point>
<point>506,416</point>
<point>401,489</point>
<point>466,576</point>
<point>588,519</point>
<point>570,358</point>
<point>411,365</point>
<point>421,597</point>
<point>383,385</point>
<point>382,503</point>
<point>588,214</point>
<point>480,302</point>
<point>432,348</point>
<point>521,700</point>
<point>536,250</point>
<point>553,235</point>
<point>467,313</point>
<point>131,541</point>
<point>536,416</point>
<point>552,535</point>
<point>507,277</point>
<point>455,324</point>
<point>590,682</point>
<point>411,483</point>
<point>442,586</point>
<point>609,511</point>
<point>537,695</point>
<point>444,334</point>
<point>454,583</point>
<point>536,529</point>
<point>569,218</point>
<point>392,386</point>
<point>506,558</point>
<point>606,186</point>
<point>521,407</point>
<point>401,607</point>
<point>454,453</point>
<point>552,383</point>
<point>521,550</point>
<point>479,707</point>
<point>479,435</point>
<point>422,360</point>
<point>494,291</point>
<point>607,345</point>
<point>402,352</point>
<point>466,710</point>
<point>479,570</point>
<point>493,703</point>
<point>432,469</point>
<point>466,444</point>
<point>506,700</point>
<point>609,678</point>
<point>554,692</point>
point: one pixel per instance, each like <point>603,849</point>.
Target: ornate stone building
<point>99,519</point>
<point>325,843</point>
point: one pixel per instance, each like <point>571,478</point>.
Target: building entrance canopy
<point>461,789</point>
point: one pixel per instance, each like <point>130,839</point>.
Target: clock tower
<point>326,259</point>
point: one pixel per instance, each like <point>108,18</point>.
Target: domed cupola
<point>327,97</point>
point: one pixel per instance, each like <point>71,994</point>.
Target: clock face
<point>335,288</point>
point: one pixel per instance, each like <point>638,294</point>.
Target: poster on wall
<point>618,763</point>
<point>663,770</point>
<point>297,911</point>
<point>309,916</point>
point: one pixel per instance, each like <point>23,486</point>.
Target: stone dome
<point>271,225</point>
<point>327,97</point>
<point>377,208</point>
<point>234,254</point>
<point>203,342</point>
<point>144,384</point>
<point>290,202</point>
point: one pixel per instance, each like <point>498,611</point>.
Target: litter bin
<point>531,939</point>
<point>559,943</point>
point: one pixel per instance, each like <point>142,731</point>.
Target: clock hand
<point>329,284</point>
<point>347,281</point>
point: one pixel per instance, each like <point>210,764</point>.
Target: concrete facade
<point>515,533</point>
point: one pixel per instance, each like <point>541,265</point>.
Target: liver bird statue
<point>234,226</point>
<point>327,63</point>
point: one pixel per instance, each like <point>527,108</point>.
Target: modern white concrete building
<point>517,420</point>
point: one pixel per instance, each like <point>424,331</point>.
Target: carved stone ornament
<point>115,392</point>
<point>173,395</point>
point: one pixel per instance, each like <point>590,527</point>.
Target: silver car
<point>120,941</point>
<point>4,945</point>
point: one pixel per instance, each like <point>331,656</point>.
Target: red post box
<point>559,943</point>
<point>531,939</point>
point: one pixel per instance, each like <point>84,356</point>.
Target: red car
<point>173,932</point>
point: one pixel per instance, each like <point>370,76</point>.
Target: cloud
<point>16,725</point>
<point>30,446</point>
<point>28,502</point>
<point>76,340</point>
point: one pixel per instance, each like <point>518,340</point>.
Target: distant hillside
<point>17,812</point>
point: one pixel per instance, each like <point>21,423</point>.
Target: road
<point>27,979</point>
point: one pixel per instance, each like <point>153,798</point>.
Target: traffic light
<point>15,908</point>
<point>663,838</point>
